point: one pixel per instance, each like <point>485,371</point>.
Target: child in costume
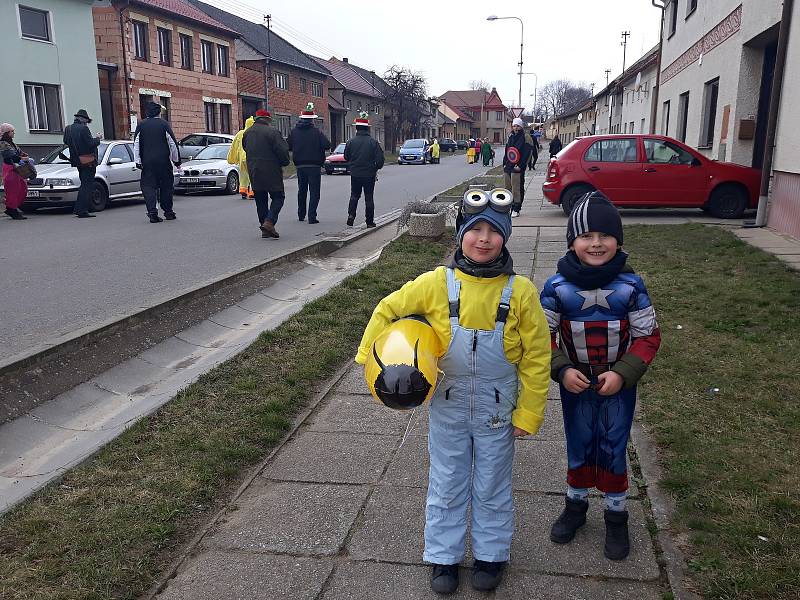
<point>494,389</point>
<point>600,312</point>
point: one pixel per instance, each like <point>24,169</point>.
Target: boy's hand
<point>575,381</point>
<point>520,432</point>
<point>609,383</point>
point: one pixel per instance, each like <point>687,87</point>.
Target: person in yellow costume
<point>435,151</point>
<point>496,370</point>
<point>237,156</point>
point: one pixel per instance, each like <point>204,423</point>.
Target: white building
<point>625,104</point>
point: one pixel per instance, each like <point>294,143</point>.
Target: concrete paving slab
<point>529,586</point>
<point>540,466</point>
<point>392,528</point>
<point>207,335</point>
<point>241,576</point>
<point>172,353</point>
<point>386,581</point>
<point>84,408</point>
<point>333,458</point>
<point>129,377</point>
<point>358,414</point>
<point>533,550</point>
<point>283,291</point>
<point>787,250</point>
<point>353,382</point>
<point>290,518</point>
<point>259,303</point>
<point>236,317</point>
<point>553,245</point>
<point>409,466</point>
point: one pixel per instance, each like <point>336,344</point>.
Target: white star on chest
<point>595,298</point>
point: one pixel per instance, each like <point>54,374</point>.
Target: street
<point>61,274</point>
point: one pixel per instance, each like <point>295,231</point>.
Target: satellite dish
<point>638,80</point>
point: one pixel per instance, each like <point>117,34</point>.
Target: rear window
<point>194,140</point>
<point>612,150</point>
<point>339,149</point>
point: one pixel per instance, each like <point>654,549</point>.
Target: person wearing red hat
<point>365,156</point>
<point>307,145</point>
<point>267,154</point>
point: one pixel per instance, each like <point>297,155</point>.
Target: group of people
<point>261,152</point>
<point>592,329</point>
<point>480,148</point>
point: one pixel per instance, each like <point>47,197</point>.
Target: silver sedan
<point>209,170</point>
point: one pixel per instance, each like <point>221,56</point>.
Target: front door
<point>670,176</point>
<point>759,143</point>
<point>123,178</point>
<point>613,167</point>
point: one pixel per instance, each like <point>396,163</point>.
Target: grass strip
<point>721,401</point>
<point>111,525</point>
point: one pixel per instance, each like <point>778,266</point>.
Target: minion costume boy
<point>495,378</point>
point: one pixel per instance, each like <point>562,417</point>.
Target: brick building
<point>273,73</point>
<point>170,52</point>
<point>486,109</point>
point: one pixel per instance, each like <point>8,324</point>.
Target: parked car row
<point>647,171</point>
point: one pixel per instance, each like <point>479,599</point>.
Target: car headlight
<point>59,182</point>
<point>213,172</point>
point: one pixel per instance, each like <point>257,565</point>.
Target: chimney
<point>344,59</point>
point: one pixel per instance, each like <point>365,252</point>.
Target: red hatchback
<point>649,171</point>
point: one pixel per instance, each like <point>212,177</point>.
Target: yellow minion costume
<point>237,156</point>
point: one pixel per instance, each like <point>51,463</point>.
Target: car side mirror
<point>696,162</point>
<point>115,161</point>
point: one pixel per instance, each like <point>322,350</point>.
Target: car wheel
<point>572,195</point>
<point>99,199</point>
<point>727,202</point>
<point>232,183</point>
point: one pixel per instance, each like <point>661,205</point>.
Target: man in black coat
<point>555,146</point>
<point>267,153</point>
<point>518,149</point>
<point>155,150</point>
<point>83,156</point>
<point>365,156</point>
<point>307,145</point>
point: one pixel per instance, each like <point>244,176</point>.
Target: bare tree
<point>407,95</point>
<point>560,96</point>
<point>479,84</point>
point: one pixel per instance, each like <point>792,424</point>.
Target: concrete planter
<point>427,225</point>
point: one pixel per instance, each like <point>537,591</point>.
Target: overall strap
<point>453,292</point>
<point>505,305</point>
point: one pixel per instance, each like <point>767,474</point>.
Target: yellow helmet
<point>401,370</point>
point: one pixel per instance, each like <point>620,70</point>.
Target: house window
<point>207,54</point>
<point>140,41</point>
<point>43,107</point>
<point>672,18</point>
<point>691,6</point>
<point>144,100</point>
<point>187,51</point>
<point>281,81</point>
<point>498,115</point>
<point>377,109</point>
<point>222,61</point>
<point>303,85</point>
<point>164,101</point>
<point>225,118</point>
<point>665,119</point>
<point>284,124</point>
<point>164,46</point>
<point>358,108</point>
<point>34,24</point>
<point>316,89</point>
<point>211,116</point>
<point>710,96</point>
<point>683,115</point>
<point>349,105</point>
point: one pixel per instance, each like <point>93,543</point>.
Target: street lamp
<point>521,40</point>
<point>535,88</point>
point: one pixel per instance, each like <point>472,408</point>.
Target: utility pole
<point>594,110</point>
<point>624,44</point>
<point>268,19</point>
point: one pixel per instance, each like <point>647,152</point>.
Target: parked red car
<point>335,162</point>
<point>649,171</point>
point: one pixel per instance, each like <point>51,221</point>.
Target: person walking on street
<point>486,152</point>
<point>267,154</point>
<point>307,145</point>
<point>478,144</point>
<point>155,150</point>
<point>14,185</point>
<point>514,162</point>
<point>435,151</point>
<point>555,146</point>
<point>83,156</point>
<point>365,156</point>
<point>534,149</point>
<point>237,156</point>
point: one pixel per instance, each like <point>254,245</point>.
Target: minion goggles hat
<point>493,206</point>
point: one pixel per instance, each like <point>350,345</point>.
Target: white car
<point>209,170</point>
<point>190,145</point>
<point>57,182</point>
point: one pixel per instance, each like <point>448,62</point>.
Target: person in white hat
<point>515,161</point>
<point>307,145</point>
<point>365,156</point>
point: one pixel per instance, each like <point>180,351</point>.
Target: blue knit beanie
<point>499,221</point>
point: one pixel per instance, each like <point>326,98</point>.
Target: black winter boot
<point>486,576</point>
<point>618,543</point>
<point>572,518</point>
<point>444,579</point>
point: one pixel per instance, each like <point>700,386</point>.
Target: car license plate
<point>339,168</point>
<point>190,180</point>
<point>33,193</point>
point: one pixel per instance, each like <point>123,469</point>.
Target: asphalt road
<point>59,274</point>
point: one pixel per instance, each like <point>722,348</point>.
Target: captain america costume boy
<point>601,320</point>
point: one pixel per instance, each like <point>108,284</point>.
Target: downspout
<point>657,86</point>
<point>774,107</point>
<point>125,82</point>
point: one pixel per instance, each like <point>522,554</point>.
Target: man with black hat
<point>155,150</point>
<point>307,145</point>
<point>365,156</point>
<point>83,156</point>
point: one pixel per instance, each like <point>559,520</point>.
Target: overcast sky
<point>452,43</point>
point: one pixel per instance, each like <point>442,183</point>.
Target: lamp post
<point>521,40</point>
<point>535,88</point>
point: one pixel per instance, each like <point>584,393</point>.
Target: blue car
<point>414,152</point>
